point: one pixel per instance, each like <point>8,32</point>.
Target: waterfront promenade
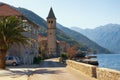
<point>49,69</point>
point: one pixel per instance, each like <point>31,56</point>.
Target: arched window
<point>48,21</point>
<point>51,22</point>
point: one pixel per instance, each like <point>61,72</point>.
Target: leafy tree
<point>10,33</point>
<point>71,52</point>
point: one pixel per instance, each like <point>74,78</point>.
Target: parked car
<point>12,60</point>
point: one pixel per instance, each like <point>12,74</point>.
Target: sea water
<point>111,61</point>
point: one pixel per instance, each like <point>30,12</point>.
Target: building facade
<point>27,52</point>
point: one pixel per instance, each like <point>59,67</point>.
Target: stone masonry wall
<point>87,69</point>
<point>93,71</point>
<point>107,74</point>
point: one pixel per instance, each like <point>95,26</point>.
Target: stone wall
<point>87,69</point>
<point>93,71</point>
<point>107,74</point>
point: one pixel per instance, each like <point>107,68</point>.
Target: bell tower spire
<point>51,14</point>
<point>51,33</point>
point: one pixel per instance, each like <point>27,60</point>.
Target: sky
<point>74,13</point>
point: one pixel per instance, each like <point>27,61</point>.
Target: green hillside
<point>63,33</point>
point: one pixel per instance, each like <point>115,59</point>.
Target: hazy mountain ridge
<point>107,36</point>
<point>82,39</point>
<point>63,33</point>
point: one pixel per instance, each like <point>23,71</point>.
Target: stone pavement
<point>21,72</point>
<point>50,69</point>
<point>12,75</point>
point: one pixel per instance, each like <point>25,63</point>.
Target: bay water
<point>111,61</point>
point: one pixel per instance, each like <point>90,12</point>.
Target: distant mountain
<point>63,33</point>
<point>82,39</point>
<point>107,36</point>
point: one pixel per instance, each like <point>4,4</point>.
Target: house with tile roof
<point>28,52</point>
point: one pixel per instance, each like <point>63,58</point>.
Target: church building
<point>49,45</point>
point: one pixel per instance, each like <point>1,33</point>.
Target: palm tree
<point>10,33</point>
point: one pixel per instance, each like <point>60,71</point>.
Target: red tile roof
<point>6,10</point>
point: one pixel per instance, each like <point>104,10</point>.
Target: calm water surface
<point>109,61</point>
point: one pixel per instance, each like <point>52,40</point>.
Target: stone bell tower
<point>51,34</point>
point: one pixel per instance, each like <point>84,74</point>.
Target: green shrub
<point>37,60</point>
<point>63,55</point>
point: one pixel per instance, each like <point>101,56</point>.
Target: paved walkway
<point>50,69</point>
<point>53,70</point>
<point>13,75</point>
